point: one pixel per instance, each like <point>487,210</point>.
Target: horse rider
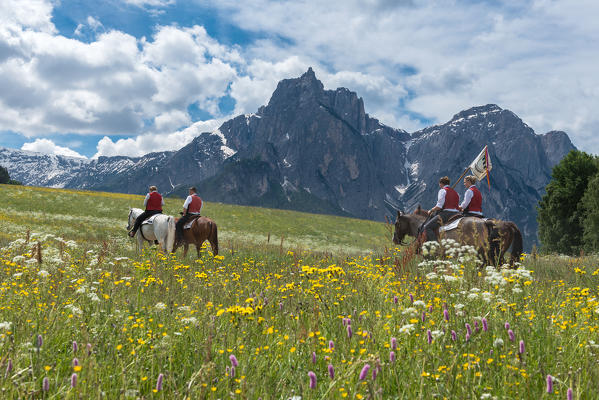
<point>473,200</point>
<point>191,208</point>
<point>153,204</point>
<point>448,201</point>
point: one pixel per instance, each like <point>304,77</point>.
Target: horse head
<point>420,211</point>
<point>402,228</point>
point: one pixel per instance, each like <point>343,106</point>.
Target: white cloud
<point>150,3</point>
<point>47,146</point>
<point>26,14</point>
<point>148,143</point>
<point>171,120</point>
<point>535,58</point>
<point>405,58</point>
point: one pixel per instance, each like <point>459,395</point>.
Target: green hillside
<point>99,216</point>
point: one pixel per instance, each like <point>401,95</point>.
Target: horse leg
<point>140,241</point>
<point>214,247</point>
<point>185,248</point>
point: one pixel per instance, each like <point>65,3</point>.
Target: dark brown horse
<point>492,238</point>
<point>202,229</point>
<point>470,231</point>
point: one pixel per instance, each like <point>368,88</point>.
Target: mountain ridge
<point>314,149</point>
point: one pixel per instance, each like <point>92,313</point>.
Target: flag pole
<point>460,178</point>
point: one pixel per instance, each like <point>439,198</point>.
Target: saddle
<point>150,220</point>
<point>192,219</point>
<point>452,223</point>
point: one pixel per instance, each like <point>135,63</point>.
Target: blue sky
<point>126,77</point>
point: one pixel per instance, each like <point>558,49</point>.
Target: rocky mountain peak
<point>297,91</point>
<point>477,111</point>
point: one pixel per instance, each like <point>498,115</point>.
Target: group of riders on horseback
<point>153,203</point>
<point>463,222</point>
<point>491,237</point>
<point>191,228</point>
<point>448,205</point>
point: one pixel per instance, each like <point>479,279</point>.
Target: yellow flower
<point>47,368</point>
<point>77,368</point>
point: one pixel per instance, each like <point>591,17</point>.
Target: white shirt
<point>467,198</point>
<point>441,199</point>
<point>148,198</point>
<point>188,201</point>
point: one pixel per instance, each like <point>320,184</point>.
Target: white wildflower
<point>408,328</point>
<point>486,296</point>
<point>73,309</point>
<point>431,276</point>
<point>43,273</point>
<point>410,311</point>
<point>160,306</point>
<point>419,303</point>
<point>190,321</point>
<point>450,278</point>
<point>472,296</point>
<point>93,296</point>
<point>437,334</point>
<point>184,308</point>
<point>498,342</point>
<point>5,326</point>
<point>18,259</point>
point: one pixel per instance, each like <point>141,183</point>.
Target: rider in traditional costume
<point>473,200</point>
<point>448,201</point>
<point>153,204</point>
<point>192,207</point>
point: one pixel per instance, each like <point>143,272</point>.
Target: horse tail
<point>494,241</point>
<point>517,246</point>
<point>214,237</point>
<point>170,234</point>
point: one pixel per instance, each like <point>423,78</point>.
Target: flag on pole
<point>481,166</point>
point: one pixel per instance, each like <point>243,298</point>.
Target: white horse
<point>162,230</point>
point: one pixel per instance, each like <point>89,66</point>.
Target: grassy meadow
<point>295,306</point>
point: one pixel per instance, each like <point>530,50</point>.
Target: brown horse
<point>202,229</point>
<point>492,238</point>
<point>503,235</point>
<point>470,231</point>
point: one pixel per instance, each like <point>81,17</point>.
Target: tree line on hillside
<point>568,213</point>
<point>5,178</point>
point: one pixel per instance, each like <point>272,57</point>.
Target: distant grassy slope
<point>103,216</point>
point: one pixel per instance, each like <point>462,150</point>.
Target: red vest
<point>476,203</point>
<point>196,204</point>
<point>452,199</point>
<point>154,202</point>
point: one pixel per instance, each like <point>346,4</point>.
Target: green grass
<point>273,307</point>
<point>96,216</point>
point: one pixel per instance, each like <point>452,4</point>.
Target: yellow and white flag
<point>481,166</point>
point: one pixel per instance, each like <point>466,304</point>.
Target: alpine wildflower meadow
<point>83,316</point>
